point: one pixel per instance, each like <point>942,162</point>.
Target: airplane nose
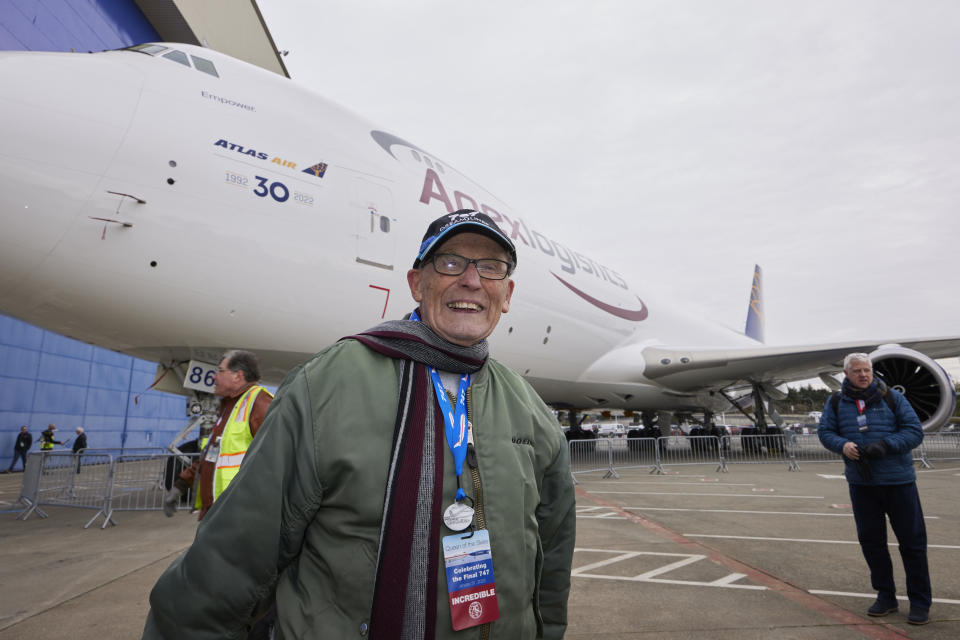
<point>62,118</point>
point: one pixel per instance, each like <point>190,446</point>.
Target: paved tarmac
<point>755,553</point>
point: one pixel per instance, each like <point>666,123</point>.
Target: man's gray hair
<point>243,361</point>
<point>859,357</point>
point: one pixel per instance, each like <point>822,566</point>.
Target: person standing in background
<point>20,448</point>
<point>79,445</point>
<point>874,428</point>
<point>243,404</point>
<point>46,438</point>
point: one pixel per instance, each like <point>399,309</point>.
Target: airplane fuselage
<point>154,208</point>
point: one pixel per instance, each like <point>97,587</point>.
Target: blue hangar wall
<point>45,377</point>
<point>72,25</point>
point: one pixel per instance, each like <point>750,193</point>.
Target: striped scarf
<point>873,393</point>
<point>405,592</point>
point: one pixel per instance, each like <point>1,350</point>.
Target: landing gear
<point>709,428</point>
<point>575,432</point>
<point>761,438</point>
<point>202,409</point>
<point>650,429</point>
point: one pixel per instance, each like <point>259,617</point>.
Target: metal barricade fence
<point>938,446</point>
<point>591,456</point>
<point>688,451</point>
<point>608,455</point>
<point>935,446</point>
<point>115,451</point>
<point>760,449</point>
<point>66,479</point>
<point>807,448</point>
<point>636,453</point>
<point>101,481</point>
<point>109,480</point>
<point>139,483</point>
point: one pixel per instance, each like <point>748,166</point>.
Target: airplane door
<point>376,241</point>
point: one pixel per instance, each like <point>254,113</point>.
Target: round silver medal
<point>458,516</point>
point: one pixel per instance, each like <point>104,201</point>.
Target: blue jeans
<point>18,454</point>
<point>872,504</point>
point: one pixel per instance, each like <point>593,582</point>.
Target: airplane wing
<point>907,365</point>
<point>689,370</point>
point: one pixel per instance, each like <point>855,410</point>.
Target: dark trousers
<point>18,454</point>
<point>901,503</point>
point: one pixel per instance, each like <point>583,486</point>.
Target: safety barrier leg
<point>108,500</point>
<point>31,478</point>
<point>793,466</point>
<point>923,457</point>
<point>722,466</point>
<point>611,472</point>
<point>72,489</point>
<point>107,510</point>
<point>31,508</point>
<point>657,464</point>
<point>106,518</point>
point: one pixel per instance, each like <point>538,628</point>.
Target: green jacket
<point>303,515</point>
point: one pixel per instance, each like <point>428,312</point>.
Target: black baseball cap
<point>447,226</point>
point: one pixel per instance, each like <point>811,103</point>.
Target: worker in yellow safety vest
<point>243,405</point>
<point>46,438</point>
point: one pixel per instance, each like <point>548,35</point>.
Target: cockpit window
<point>202,64</point>
<point>152,49</point>
<point>178,56</point>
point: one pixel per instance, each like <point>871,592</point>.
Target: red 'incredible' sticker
<point>470,582</point>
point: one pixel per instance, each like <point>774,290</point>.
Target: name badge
<point>470,584</point>
<point>862,422</point>
<point>213,451</point>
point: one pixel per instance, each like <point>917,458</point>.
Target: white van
<point>612,430</point>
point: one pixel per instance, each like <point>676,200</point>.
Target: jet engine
<point>920,379</point>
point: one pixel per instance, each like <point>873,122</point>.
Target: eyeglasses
<point>450,264</point>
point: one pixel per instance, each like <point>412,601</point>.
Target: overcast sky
<point>681,142</point>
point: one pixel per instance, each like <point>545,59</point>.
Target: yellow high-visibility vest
<point>235,439</point>
<point>197,502</point>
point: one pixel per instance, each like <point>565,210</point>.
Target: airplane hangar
<point>50,378</point>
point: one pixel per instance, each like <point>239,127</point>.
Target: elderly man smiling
<point>406,485</point>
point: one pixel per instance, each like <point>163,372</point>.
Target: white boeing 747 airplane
<point>168,201</point>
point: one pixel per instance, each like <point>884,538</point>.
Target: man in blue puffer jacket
<point>876,437</point>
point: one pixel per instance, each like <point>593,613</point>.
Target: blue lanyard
<point>455,422</point>
<point>456,426</point>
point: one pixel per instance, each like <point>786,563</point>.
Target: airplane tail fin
<point>755,320</point>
